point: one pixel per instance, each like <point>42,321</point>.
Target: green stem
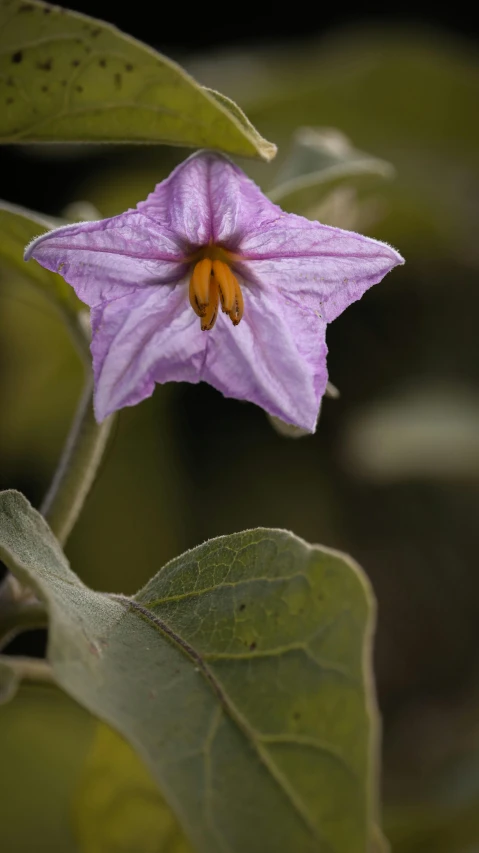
<point>77,467</point>
<point>19,616</point>
<point>20,610</point>
<point>33,670</point>
<point>77,323</point>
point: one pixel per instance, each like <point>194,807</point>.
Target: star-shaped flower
<point>207,238</point>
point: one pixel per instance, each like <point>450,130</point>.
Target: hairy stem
<point>29,669</point>
<point>20,610</point>
<point>19,616</point>
<point>77,467</point>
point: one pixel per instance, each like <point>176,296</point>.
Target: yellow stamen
<point>226,283</point>
<point>237,311</point>
<point>194,304</point>
<point>209,318</point>
<point>200,286</point>
<point>212,279</point>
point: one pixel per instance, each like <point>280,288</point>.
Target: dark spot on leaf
<point>118,81</point>
<point>10,81</point>
<point>46,11</point>
<point>9,101</point>
<point>64,82</point>
<point>128,66</point>
<point>96,32</point>
<point>242,606</point>
<point>18,56</point>
<point>44,88</point>
<point>46,65</point>
<point>26,7</point>
<point>102,63</point>
<point>252,647</point>
<point>75,63</point>
<point>296,715</point>
<point>79,88</point>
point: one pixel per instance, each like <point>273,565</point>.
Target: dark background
<point>179,30</point>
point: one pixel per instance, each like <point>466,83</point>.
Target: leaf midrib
<point>230,709</point>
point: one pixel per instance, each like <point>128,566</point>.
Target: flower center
<point>212,282</point>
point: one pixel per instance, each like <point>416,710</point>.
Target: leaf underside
<point>241,675</point>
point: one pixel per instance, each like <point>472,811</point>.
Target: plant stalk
<point>77,468</point>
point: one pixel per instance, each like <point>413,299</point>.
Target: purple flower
<point>206,238</point>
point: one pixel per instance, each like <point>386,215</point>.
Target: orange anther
<point>200,286</point>
<point>211,312</point>
<point>213,280</point>
<point>226,283</point>
<point>237,311</point>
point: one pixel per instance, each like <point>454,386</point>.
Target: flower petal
<point>276,358</point>
<point>111,258</point>
<point>209,199</point>
<point>239,206</point>
<point>318,267</point>
<point>142,338</point>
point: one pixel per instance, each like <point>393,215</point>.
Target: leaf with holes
<point>68,77</point>
<point>241,675</point>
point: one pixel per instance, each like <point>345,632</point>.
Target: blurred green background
<point>392,474</point>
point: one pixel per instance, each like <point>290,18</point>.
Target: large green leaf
<point>68,77</point>
<point>240,673</point>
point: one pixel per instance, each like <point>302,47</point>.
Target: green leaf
<point>322,160</point>
<point>240,673</point>
<point>18,227</point>
<point>68,77</point>
<point>117,806</point>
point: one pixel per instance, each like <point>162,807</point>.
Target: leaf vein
<point>250,734</point>
<point>224,585</point>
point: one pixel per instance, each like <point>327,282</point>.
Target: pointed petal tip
<point>395,256</point>
<point>74,227</point>
<point>29,249</point>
